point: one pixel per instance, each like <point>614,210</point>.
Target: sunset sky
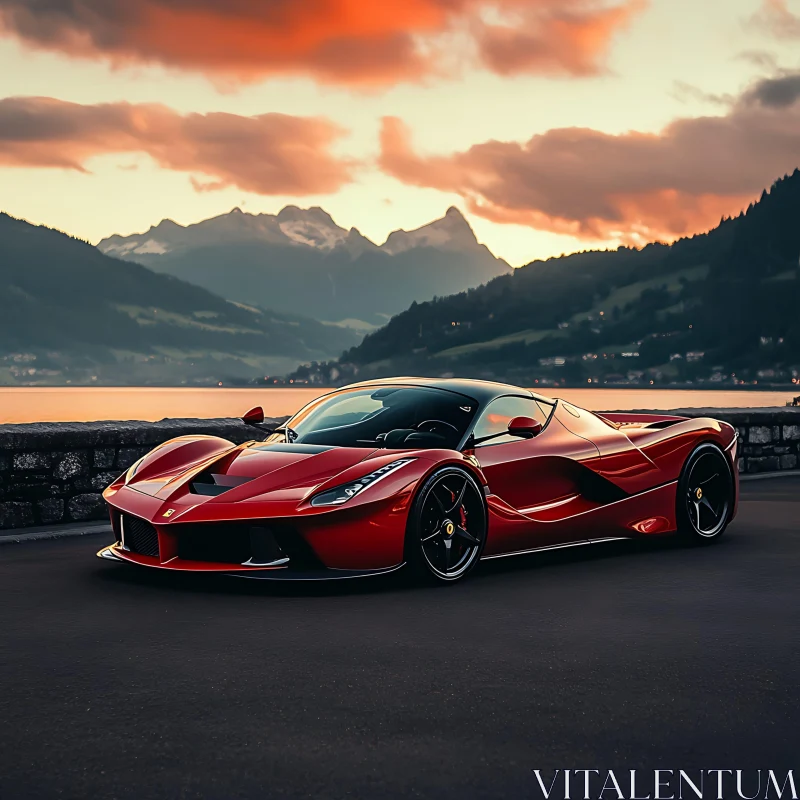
<point>555,125</point>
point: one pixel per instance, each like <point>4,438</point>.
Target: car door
<point>529,474</point>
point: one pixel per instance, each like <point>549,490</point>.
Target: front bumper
<point>252,539</point>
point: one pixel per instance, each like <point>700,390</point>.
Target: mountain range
<point>300,261</point>
<point>70,314</point>
<point>719,307</point>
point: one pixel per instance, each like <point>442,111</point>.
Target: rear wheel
<point>705,494</point>
<point>447,526</point>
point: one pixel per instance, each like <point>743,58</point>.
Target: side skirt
<point>558,547</point>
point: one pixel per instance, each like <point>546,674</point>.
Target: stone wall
<point>55,472</point>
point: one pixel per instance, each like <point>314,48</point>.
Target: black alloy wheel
<point>447,526</point>
<point>705,494</point>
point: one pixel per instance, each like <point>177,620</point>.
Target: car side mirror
<point>255,416</point>
<point>524,427</point>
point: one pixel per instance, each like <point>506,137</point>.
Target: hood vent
<point>288,447</point>
<point>211,484</point>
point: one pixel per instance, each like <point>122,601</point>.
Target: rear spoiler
<point>641,419</point>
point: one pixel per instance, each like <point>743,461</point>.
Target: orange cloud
<point>776,18</point>
<point>571,38</point>
<point>332,41</point>
<point>266,154</point>
<point>633,187</point>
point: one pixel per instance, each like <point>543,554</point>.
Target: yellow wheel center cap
<point>699,493</point>
<point>449,528</point>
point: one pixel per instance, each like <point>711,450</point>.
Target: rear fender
<point>670,447</point>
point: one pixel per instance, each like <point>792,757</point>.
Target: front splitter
<point>272,574</point>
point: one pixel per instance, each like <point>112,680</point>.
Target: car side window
<point>500,412</point>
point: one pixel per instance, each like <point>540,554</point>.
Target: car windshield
<point>393,417</point>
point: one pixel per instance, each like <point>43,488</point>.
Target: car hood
<point>253,470</point>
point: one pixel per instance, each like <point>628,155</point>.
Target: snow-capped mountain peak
<point>451,232</point>
<point>293,227</point>
<point>312,227</point>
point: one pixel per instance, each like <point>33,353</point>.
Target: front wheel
<point>705,494</point>
<point>447,526</point>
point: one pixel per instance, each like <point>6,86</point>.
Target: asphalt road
<point>118,682</point>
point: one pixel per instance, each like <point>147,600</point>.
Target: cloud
<point>572,38</point>
<point>776,18</point>
<point>266,154</point>
<point>631,187</point>
<point>352,42</point>
<point>781,91</point>
<point>686,92</point>
<point>761,58</point>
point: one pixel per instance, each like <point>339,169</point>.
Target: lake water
<point>79,404</point>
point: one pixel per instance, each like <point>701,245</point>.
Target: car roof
<point>482,391</point>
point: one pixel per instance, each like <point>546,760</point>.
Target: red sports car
<point>431,475</point>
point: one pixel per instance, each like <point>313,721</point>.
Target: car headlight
<point>341,494</point>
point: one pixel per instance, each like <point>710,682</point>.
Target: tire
<point>705,495</point>
<point>447,526</point>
